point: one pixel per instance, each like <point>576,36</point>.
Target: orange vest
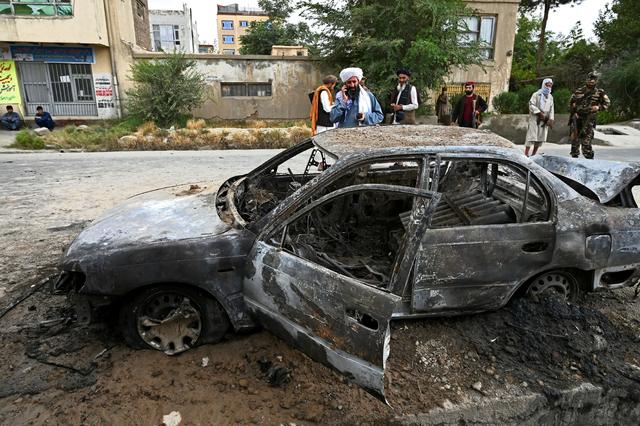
<point>314,106</point>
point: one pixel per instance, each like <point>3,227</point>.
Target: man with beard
<point>583,108</point>
<point>469,107</point>
<point>404,99</point>
<point>354,105</point>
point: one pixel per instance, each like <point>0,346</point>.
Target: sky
<point>561,19</point>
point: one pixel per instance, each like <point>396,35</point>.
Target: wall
<point>498,70</point>
<point>292,79</point>
<point>141,23</point>
<point>87,25</point>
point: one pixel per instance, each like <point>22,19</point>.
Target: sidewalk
<point>6,138</point>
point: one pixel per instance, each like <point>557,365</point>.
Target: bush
<point>506,103</point>
<point>26,139</point>
<point>561,100</point>
<point>165,91</point>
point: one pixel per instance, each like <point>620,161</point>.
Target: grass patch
<point>26,139</point>
<point>132,134</point>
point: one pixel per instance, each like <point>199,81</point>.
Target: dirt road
<point>57,372</point>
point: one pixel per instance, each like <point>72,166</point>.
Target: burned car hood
<point>606,179</point>
<point>160,219</point>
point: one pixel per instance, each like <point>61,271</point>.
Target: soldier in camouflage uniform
<point>583,108</point>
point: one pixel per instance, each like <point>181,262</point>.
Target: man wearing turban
<point>354,105</point>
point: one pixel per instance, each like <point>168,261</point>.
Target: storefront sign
<point>104,91</point>
<point>9,92</point>
<point>59,54</point>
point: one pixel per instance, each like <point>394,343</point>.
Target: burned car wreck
<point>330,240</point>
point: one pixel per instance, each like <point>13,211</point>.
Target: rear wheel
<point>562,283</point>
<point>172,319</point>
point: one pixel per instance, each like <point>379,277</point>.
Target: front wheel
<point>172,319</point>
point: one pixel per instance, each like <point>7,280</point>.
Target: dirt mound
<point>547,346</point>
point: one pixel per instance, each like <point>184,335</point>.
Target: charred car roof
<point>341,142</point>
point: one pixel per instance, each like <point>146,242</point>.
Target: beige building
<point>232,23</point>
<point>289,51</point>
<point>254,86</point>
<point>493,24</point>
<point>72,58</point>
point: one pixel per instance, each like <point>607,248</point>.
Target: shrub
<point>26,139</point>
<point>561,100</point>
<point>165,91</point>
<point>506,103</point>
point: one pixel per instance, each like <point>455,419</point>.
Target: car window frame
<point>342,167</point>
<point>539,183</point>
<point>404,260</point>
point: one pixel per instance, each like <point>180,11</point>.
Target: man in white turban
<point>354,105</point>
<point>541,115</point>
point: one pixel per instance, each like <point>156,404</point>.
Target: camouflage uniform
<point>585,121</point>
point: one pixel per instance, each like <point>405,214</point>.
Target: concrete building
<point>72,58</point>
<point>232,23</point>
<point>254,86</point>
<point>173,30</point>
<point>289,51</point>
<point>493,24</point>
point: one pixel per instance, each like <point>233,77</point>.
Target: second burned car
<point>330,240</point>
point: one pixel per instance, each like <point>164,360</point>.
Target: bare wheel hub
<point>551,281</point>
<point>169,323</point>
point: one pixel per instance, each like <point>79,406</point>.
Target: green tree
<point>380,36</point>
<point>618,29</point>
<point>547,5</point>
<point>165,89</point>
<point>523,66</point>
<point>576,58</point>
<point>276,31</point>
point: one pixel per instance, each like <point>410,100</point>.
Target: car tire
<point>563,283</point>
<point>172,319</point>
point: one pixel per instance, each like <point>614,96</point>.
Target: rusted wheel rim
<point>169,322</point>
<point>551,281</point>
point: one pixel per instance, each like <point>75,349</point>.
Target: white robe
<point>537,134</point>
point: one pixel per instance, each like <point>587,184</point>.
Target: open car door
<point>337,317</point>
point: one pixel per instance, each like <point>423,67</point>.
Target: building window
<point>479,29</point>
<point>36,8</point>
<point>227,25</point>
<point>245,89</point>
<point>228,51</point>
<point>227,39</point>
<point>166,38</point>
<point>244,24</point>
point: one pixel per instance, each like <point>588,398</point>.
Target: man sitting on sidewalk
<point>11,120</point>
<point>43,119</point>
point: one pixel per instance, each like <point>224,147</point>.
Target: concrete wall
<point>496,71</point>
<point>292,78</point>
<point>514,127</point>
<point>87,25</point>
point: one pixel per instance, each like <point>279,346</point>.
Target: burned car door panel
<point>319,281</point>
<point>490,231</point>
<point>478,267</point>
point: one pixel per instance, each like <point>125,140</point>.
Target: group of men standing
<point>355,105</point>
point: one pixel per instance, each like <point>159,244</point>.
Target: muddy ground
<point>55,371</point>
